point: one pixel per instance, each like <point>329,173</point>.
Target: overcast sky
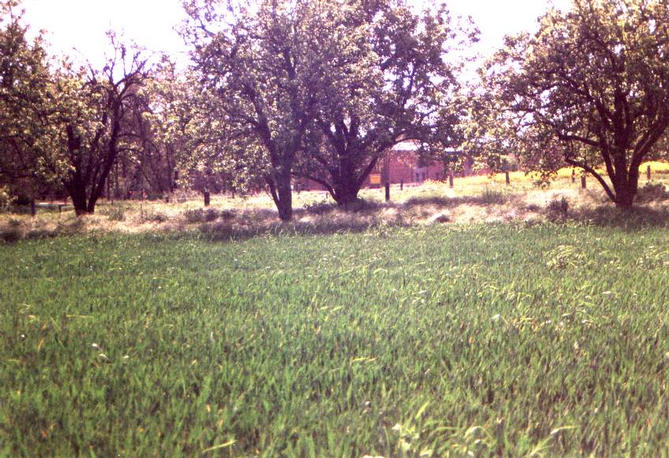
<point>81,24</point>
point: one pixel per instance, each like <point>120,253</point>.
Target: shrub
<point>114,213</point>
<point>490,197</point>
<point>652,192</point>
<point>428,200</point>
<point>558,208</point>
<point>320,207</point>
<point>12,232</point>
<point>359,205</point>
<point>71,226</point>
<point>201,215</point>
<point>156,217</point>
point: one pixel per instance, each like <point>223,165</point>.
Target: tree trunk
<point>625,194</point>
<point>346,192</point>
<point>77,192</point>
<point>282,195</point>
<point>625,186</point>
<point>285,201</point>
<point>90,208</point>
<point>345,184</point>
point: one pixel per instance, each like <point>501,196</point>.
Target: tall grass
<point>489,340</point>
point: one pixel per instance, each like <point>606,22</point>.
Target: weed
<point>491,197</point>
<point>114,213</point>
<point>652,192</point>
<point>200,215</point>
<point>558,209</point>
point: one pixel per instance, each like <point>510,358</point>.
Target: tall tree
<point>590,89</point>
<point>188,126</point>
<point>260,69</point>
<point>26,106</point>
<point>96,123</point>
<point>156,127</point>
<point>398,85</point>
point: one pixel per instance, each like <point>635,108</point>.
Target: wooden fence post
<point>387,191</point>
<point>507,178</point>
<point>450,179</point>
<point>583,181</point>
<point>648,173</point>
<point>207,199</point>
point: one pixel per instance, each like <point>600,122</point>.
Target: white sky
<point>82,24</point>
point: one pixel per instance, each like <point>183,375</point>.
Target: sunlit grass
<point>481,198</point>
<point>490,339</point>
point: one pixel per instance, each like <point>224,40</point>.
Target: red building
<point>400,164</point>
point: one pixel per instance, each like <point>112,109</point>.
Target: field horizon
<point>474,199</point>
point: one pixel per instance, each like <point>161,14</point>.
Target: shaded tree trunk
<point>279,186</point>
<point>346,182</point>
<point>77,192</point>
<point>345,193</point>
<point>90,208</point>
<point>84,201</point>
<point>625,187</point>
<point>624,179</point>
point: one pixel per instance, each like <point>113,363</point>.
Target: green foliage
<point>59,125</point>
<point>395,81</point>
<point>97,124</point>
<point>25,105</point>
<point>590,89</point>
<point>261,73</point>
<point>387,342</point>
<point>318,90</point>
<point>6,198</point>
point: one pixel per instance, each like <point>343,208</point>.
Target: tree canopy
<point>96,122</point>
<point>279,91</point>
<point>25,120</point>
<point>590,89</point>
<point>261,74</point>
<point>322,89</point>
<point>400,85</point>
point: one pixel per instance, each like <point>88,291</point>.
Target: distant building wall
<point>400,164</point>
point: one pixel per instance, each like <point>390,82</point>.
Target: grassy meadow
<point>487,339</point>
<point>480,320</point>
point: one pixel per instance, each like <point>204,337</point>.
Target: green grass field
<point>490,339</point>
